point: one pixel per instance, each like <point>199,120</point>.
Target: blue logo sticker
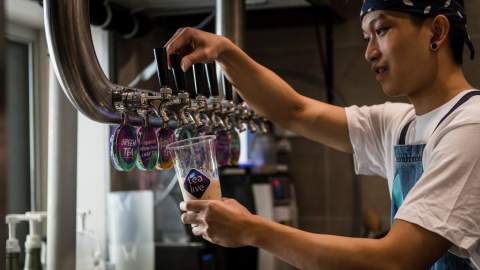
<point>196,183</point>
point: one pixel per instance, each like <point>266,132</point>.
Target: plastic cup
<point>196,167</point>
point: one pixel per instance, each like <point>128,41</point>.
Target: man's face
<point>398,52</point>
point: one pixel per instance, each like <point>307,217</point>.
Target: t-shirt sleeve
<point>367,128</point>
<point>446,198</point>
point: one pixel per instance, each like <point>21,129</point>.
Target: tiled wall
<point>324,177</point>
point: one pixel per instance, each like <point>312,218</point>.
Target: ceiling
<point>155,8</point>
<point>24,12</point>
<point>166,7</point>
<point>189,4</point>
<point>30,13</point>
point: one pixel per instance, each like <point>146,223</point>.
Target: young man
<point>429,151</point>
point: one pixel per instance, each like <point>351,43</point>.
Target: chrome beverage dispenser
<point>83,82</point>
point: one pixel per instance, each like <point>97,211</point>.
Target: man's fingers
<point>178,41</point>
<point>197,56</point>
<point>191,218</point>
<point>198,230</point>
<point>193,205</point>
<point>173,38</point>
<point>177,33</point>
<point>208,238</point>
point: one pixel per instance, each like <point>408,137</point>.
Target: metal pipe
<point>229,20</point>
<point>67,27</point>
<point>62,180</point>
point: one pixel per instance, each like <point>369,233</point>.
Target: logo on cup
<point>196,183</point>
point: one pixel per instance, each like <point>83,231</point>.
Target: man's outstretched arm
<point>227,223</point>
<point>264,90</point>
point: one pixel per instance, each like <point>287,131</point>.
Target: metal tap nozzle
<point>227,112</point>
<point>215,111</point>
<point>201,85</point>
<point>165,95</point>
<point>264,125</point>
<point>243,118</point>
<point>200,114</point>
<point>165,100</point>
<point>215,108</point>
<point>182,102</point>
<point>130,100</point>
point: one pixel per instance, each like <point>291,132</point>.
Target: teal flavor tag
<point>124,147</point>
<point>113,147</point>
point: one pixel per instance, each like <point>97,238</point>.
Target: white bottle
<point>33,244</point>
<point>12,245</point>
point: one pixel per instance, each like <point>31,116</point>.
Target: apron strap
<point>403,134</point>
<point>465,98</point>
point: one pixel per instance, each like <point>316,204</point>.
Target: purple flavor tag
<point>165,137</point>
<point>148,148</point>
<point>222,148</point>
<point>196,183</point>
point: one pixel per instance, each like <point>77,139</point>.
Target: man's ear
<point>440,27</point>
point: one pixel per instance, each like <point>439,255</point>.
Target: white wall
<point>93,171</point>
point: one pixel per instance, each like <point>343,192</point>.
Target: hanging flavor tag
<point>113,146</point>
<point>165,136</point>
<point>222,148</point>
<point>125,147</point>
<point>196,183</point>
<point>234,148</point>
<point>148,150</point>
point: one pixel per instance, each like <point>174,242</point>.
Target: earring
<point>434,46</point>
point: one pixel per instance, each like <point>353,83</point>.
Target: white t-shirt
<point>446,199</point>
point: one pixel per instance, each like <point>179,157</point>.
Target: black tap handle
<point>212,79</point>
<point>237,98</point>
<point>172,82</point>
<point>162,66</point>
<point>227,87</point>
<point>201,80</point>
<point>190,83</point>
<point>178,74</point>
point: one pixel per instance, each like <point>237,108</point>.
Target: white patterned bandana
<point>452,9</point>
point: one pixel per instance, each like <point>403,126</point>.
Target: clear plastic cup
<point>196,167</point>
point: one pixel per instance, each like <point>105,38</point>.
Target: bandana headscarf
<point>452,9</point>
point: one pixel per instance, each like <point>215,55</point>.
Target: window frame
<point>30,36</point>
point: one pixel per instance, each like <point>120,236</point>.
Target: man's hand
<point>227,223</point>
<point>224,222</point>
<point>197,46</point>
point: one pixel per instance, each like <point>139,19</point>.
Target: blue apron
<point>408,170</point>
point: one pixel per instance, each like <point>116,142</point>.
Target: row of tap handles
<point>191,98</point>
